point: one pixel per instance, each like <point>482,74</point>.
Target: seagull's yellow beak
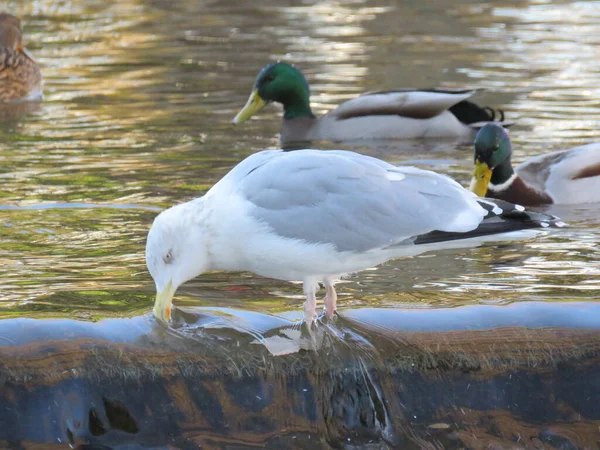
<point>163,303</point>
<point>481,179</point>
<point>254,104</point>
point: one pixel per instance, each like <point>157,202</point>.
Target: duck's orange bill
<point>26,53</point>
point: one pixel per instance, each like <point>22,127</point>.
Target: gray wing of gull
<point>354,202</point>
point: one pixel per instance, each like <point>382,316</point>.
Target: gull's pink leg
<point>330,298</point>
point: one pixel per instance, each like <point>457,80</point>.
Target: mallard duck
<point>312,216</point>
<point>20,76</point>
<point>561,177</point>
<point>396,114</point>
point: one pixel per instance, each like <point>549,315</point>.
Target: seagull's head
<point>493,152</point>
<point>176,251</point>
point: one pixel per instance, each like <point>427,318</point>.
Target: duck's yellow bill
<point>163,303</point>
<point>254,104</point>
<point>481,179</point>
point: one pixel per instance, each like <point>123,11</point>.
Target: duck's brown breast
<point>520,193</point>
<point>298,129</point>
<point>19,76</point>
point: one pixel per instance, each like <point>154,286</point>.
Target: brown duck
<point>20,76</point>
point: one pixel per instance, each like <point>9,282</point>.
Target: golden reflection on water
<point>555,46</point>
<point>137,113</point>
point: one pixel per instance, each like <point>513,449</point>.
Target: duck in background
<point>569,176</point>
<point>20,76</point>
<point>395,114</point>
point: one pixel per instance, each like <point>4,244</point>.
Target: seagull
<point>315,216</point>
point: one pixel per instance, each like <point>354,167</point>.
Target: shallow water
<point>136,117</point>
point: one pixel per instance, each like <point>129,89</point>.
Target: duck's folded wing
<point>573,164</point>
<point>417,104</point>
<point>353,202</point>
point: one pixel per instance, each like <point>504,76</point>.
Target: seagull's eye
<point>168,257</point>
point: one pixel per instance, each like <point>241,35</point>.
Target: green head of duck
<point>493,151</point>
<point>282,83</point>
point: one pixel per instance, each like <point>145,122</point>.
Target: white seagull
<point>315,216</point>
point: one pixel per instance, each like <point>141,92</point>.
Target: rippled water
<point>139,98</point>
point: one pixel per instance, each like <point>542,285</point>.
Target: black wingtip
<point>470,113</point>
<point>511,211</point>
<point>501,217</point>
